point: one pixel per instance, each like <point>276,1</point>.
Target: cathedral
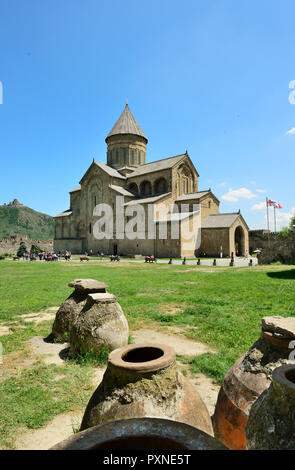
<point>172,183</point>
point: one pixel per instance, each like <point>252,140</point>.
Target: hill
<point>16,219</point>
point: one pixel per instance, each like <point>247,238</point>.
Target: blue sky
<point>211,77</point>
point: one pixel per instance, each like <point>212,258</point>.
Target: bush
<point>22,250</point>
<point>284,233</point>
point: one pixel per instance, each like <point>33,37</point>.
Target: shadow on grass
<point>287,274</point>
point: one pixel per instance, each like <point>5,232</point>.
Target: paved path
<point>204,262</point>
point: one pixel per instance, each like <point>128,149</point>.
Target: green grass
<point>221,308</point>
<point>32,398</point>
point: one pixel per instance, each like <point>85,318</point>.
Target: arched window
<point>133,188</point>
<point>145,188</point>
<point>160,186</point>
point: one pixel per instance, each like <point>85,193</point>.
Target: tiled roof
<point>147,200</point>
<point>111,171</point>
<point>177,216</point>
<point>121,190</point>
<point>220,220</point>
<point>126,124</point>
<point>156,166</point>
<point>197,195</point>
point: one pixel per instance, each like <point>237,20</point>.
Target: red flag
<point>274,204</point>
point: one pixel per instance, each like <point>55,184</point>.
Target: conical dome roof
<point>126,124</point>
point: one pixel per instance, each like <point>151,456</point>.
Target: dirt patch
<point>38,317</point>
<point>170,309</point>
<point>14,362</point>
<point>61,427</point>
<point>5,330</point>
<point>181,345</point>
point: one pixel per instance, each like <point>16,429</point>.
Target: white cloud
<point>233,195</point>
<point>283,218</point>
<point>259,207</point>
<point>261,190</point>
<point>222,184</point>
<point>291,131</point>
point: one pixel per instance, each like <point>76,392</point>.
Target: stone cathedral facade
<point>170,182</point>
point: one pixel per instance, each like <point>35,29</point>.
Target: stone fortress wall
<point>11,245</point>
<point>282,250</point>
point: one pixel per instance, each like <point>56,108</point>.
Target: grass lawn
<point>221,307</point>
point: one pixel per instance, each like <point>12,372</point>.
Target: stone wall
<point>11,245</point>
<point>282,250</point>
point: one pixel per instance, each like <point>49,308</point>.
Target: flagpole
<point>275,218</point>
<point>267,221</point>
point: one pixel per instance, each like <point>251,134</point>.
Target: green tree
<point>22,250</point>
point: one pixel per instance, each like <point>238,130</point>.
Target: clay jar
<point>69,309</point>
<point>141,434</point>
<point>249,377</point>
<point>142,380</point>
<point>101,324</point>
<point>271,423</point>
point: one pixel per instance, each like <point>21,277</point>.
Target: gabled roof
<point>76,189</point>
<point>64,214</point>
<point>106,168</point>
<point>126,124</point>
<point>221,220</point>
<point>111,171</point>
<point>121,190</point>
<point>157,166</point>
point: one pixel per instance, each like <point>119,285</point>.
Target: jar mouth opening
<point>285,375</point>
<point>145,357</point>
<point>142,354</point>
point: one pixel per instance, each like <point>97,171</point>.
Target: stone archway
<point>133,188</point>
<point>145,188</point>
<point>240,241</point>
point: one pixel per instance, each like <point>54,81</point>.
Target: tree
<point>22,250</point>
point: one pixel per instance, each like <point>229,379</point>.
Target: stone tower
<point>126,142</point>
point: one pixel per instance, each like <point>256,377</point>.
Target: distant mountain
<point>16,219</point>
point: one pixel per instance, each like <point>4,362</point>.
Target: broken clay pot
<point>143,381</point>
<point>101,324</point>
<point>69,309</point>
<point>249,377</point>
<point>271,423</point>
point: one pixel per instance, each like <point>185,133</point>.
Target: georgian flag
<point>274,204</point>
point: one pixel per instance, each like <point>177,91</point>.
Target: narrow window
<point>90,227</point>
